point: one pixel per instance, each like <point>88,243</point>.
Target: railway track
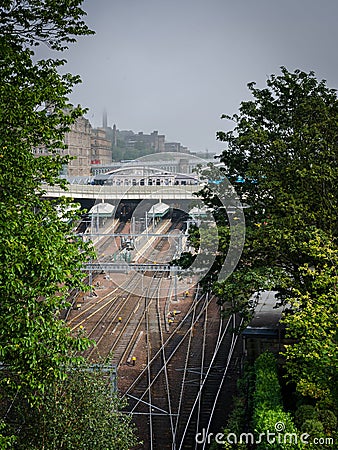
<point>179,389</point>
<point>114,319</point>
<point>176,395</point>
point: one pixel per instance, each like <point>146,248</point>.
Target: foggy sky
<point>176,65</point>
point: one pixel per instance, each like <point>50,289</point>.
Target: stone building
<point>89,147</point>
<point>175,147</point>
<point>101,147</point>
<point>152,141</point>
<point>78,142</point>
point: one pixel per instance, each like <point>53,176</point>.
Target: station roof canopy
<point>131,170</point>
<point>102,210</point>
<point>158,210</point>
<point>199,212</point>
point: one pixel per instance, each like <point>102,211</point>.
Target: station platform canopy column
<point>158,212</point>
<point>99,213</point>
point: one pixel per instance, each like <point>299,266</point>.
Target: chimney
<point>104,119</point>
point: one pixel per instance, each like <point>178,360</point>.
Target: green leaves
<point>268,414</point>
<point>284,145</point>
<point>41,259</point>
<point>49,21</point>
<point>41,264</point>
<point>286,140</point>
<point>81,411</point>
<point>313,360</point>
<point>41,393</point>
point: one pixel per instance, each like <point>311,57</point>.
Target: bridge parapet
<point>124,192</point>
<point>127,267</point>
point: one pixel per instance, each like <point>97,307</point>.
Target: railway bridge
<point>109,192</point>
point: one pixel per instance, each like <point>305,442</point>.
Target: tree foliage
<point>82,412</point>
<point>282,157</point>
<point>284,145</point>
<point>258,409</point>
<point>51,22</point>
<point>268,406</point>
<point>41,261</point>
<point>314,323</point>
<point>42,258</point>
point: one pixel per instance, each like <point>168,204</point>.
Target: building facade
<point>92,149</point>
<point>175,147</point>
<point>78,142</point>
<point>153,141</point>
<point>101,147</point>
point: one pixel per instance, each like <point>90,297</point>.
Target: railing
<point>124,192</point>
<point>126,267</point>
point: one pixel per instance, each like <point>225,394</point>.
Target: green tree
<point>82,412</point>
<point>268,407</point>
<point>313,359</point>
<point>281,156</point>
<point>41,257</point>
<point>284,148</point>
<point>41,261</point>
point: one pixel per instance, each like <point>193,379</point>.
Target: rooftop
<point>159,209</point>
<point>267,314</point>
<point>102,210</point>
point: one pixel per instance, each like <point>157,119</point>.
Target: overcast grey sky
<point>176,65</point>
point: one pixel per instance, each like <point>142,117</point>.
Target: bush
<point>5,441</point>
<point>81,412</point>
<point>268,414</point>
<point>313,427</point>
<point>267,394</point>
<point>305,412</point>
<point>329,421</point>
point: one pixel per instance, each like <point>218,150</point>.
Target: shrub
<point>329,421</point>
<point>268,415</point>
<point>305,412</point>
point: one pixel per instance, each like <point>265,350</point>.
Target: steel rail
<point>125,287</point>
<point>115,314</point>
<point>185,369</point>
<point>169,357</point>
<point>111,298</point>
<point>202,367</point>
<point>158,310</point>
<point>231,351</point>
<point>129,346</point>
<point>203,383</point>
<point>149,299</point>
<point>90,307</point>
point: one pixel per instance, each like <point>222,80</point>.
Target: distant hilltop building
<point>175,147</point>
<point>154,141</point>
